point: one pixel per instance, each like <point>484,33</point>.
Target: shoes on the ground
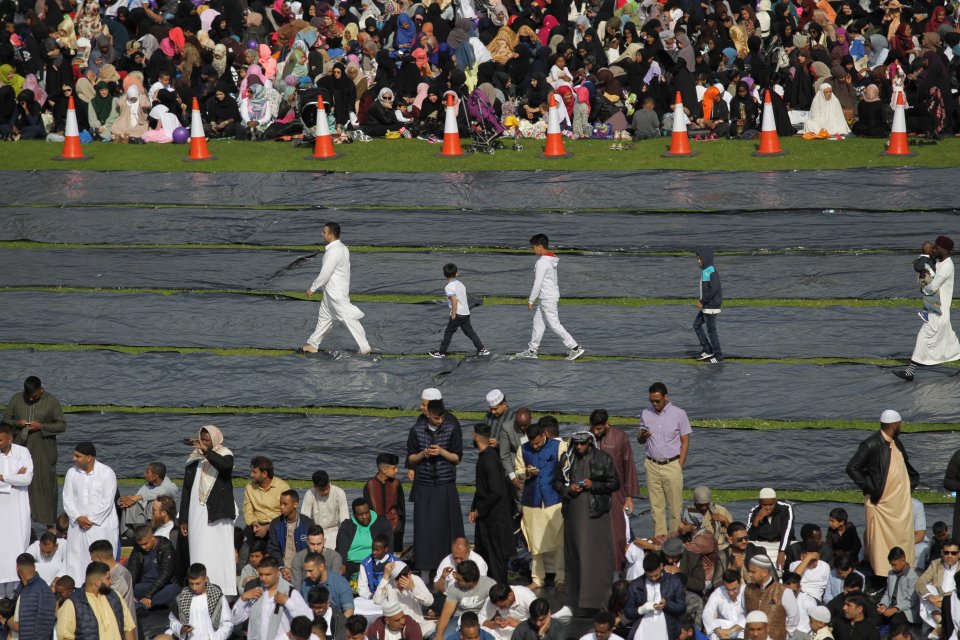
<point>704,355</point>
<point>307,348</point>
<point>924,315</point>
<point>904,375</point>
<point>483,352</point>
<point>528,353</point>
<point>575,353</point>
<point>367,352</point>
<point>715,360</point>
<point>437,354</point>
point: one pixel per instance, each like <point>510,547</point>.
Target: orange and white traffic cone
<point>679,140</point>
<point>769,141</point>
<point>323,148</point>
<point>898,134</point>
<point>451,133</point>
<point>554,148</point>
<point>198,140</point>
<point>71,137</point>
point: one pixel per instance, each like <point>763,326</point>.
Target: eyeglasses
<point>740,539</point>
<point>950,553</point>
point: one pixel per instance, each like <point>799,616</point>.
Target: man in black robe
<point>491,509</point>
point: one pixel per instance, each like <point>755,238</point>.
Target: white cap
<point>391,608</point>
<point>757,616</point>
<point>889,417</point>
<point>494,398</point>
<point>431,394</point>
<point>820,613</point>
<point>768,494</point>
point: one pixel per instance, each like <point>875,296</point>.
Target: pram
<point>307,109</point>
<point>486,132</point>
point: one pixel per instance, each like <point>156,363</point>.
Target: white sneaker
<point>527,353</point>
<point>483,352</point>
<point>575,353</point>
<point>704,356</point>
<point>564,612</point>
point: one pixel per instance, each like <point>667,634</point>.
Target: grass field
<point>416,156</point>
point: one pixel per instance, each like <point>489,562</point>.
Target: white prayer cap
<point>768,494</point>
<point>820,613</point>
<point>889,417</point>
<point>757,617</point>
<point>762,561</point>
<point>494,398</point>
<point>391,608</point>
<point>666,34</point>
<point>431,394</point>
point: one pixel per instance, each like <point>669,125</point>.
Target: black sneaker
<point>437,354</point>
<point>903,375</point>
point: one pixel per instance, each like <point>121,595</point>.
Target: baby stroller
<point>307,108</point>
<point>485,128</point>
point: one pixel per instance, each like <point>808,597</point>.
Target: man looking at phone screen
<point>665,432</point>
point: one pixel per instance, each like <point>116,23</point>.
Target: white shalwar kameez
<point>201,622</point>
<point>15,509</point>
<point>720,612</point>
<point>546,288</point>
<point>937,342</point>
<point>334,279</point>
<point>91,495</point>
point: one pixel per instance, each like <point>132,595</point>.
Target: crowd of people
<point>133,67</point>
<point>553,541</point>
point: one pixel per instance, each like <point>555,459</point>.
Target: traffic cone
<point>451,133</point>
<point>769,141</point>
<point>898,135</point>
<point>198,141</point>
<point>679,140</point>
<point>71,138</point>
<point>323,149</point>
<point>554,148</point>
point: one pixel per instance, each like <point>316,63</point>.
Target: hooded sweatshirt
<point>711,295</point>
<point>546,282</point>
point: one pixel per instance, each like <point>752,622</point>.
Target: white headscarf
<point>826,114</point>
<point>207,472</point>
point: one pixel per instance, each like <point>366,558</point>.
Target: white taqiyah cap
<point>494,398</point>
<point>889,417</point>
<point>431,394</point>
<point>820,613</point>
<point>757,616</point>
<point>768,494</point>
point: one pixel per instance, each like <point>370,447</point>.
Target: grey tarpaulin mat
<point>346,446</point>
<point>237,321</point>
<point>893,188</point>
<point>838,229</point>
<point>731,390</point>
<point>745,276</point>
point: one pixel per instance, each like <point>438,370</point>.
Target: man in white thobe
<point>49,553</point>
<point>334,279</point>
<point>16,473</point>
<point>88,500</point>
<point>723,615</point>
<point>200,612</point>
<point>936,343</point>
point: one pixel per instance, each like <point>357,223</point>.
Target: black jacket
<point>869,465</point>
<point>166,562</point>
<point>603,475</point>
<point>348,529</point>
<point>711,294</point>
<point>220,504</point>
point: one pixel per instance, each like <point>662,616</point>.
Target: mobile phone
<point>582,483</point>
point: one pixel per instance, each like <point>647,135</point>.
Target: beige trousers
<point>665,484</point>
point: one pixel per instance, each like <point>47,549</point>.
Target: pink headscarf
<point>177,38</point>
<point>207,17</point>
<point>549,22</point>
<point>267,62</point>
<point>31,82</point>
<point>167,47</point>
<point>422,89</point>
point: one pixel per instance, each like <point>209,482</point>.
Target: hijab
<point>102,106</point>
<point>207,472</point>
<point>10,78</point>
<point>709,98</point>
<point>828,114</point>
<point>8,103</point>
<point>871,93</point>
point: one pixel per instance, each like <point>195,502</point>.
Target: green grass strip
<point>407,156</point>
<point>37,245</point>
<point>719,495</point>
<point>753,424</point>
<point>401,298</point>
<point>261,352</point>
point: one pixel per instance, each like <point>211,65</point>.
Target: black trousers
<point>462,323</point>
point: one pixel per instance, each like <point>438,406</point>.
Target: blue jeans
<point>161,598</point>
<point>711,344</point>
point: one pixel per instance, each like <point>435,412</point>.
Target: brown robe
<point>616,444</point>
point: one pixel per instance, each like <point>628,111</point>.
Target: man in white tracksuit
<point>334,279</point>
<point>546,287</point>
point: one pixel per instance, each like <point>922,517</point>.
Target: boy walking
<point>711,299</point>
<point>459,313</point>
<point>546,288</point>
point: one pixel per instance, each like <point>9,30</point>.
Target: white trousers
<point>546,315</point>
<point>327,315</point>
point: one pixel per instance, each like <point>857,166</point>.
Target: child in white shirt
<point>459,313</point>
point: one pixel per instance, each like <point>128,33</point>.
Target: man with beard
<point>36,418</point>
<point>616,444</point>
<point>491,509</point>
<point>95,608</point>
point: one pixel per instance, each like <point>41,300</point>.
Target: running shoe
<point>575,353</point>
<point>528,353</point>
<point>437,354</point>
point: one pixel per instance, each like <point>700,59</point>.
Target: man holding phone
<point>200,611</point>
<point>665,432</point>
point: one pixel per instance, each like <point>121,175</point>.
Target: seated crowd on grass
<point>133,67</point>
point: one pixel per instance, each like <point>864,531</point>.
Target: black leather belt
<point>663,462</point>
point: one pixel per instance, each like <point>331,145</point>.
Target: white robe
<point>15,507</point>
<point>201,622</point>
<point>334,279</point>
<point>721,612</point>
<point>52,567</point>
<point>826,114</point>
<point>937,342</point>
<point>91,495</point>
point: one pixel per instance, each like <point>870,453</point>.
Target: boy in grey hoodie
<point>711,299</point>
